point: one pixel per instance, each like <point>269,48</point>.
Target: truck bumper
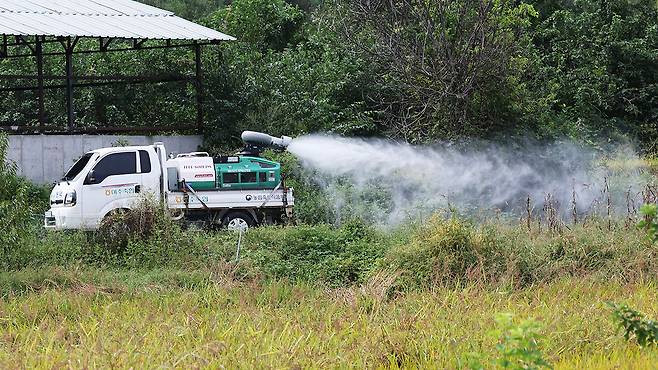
<point>61,219</point>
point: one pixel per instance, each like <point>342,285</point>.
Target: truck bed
<point>222,199</point>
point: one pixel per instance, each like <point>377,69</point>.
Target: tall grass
<point>441,253</point>
<point>141,324</point>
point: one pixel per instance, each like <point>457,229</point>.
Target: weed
<point>321,253</point>
<point>517,347</point>
<point>635,325</point>
<point>650,221</point>
<point>442,252</point>
<point>17,207</point>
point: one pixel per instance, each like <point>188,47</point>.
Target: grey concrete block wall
<point>45,158</point>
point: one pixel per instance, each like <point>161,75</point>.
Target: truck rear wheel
<point>238,220</point>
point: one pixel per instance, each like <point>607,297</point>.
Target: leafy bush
<point>454,251</point>
<point>650,221</point>
<point>518,345</point>
<point>121,226</point>
<point>635,324</point>
<point>594,69</point>
<point>144,236</point>
<point>18,205</point>
<point>315,253</point>
<point>444,252</point>
<point>266,24</point>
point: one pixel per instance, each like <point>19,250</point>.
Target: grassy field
<point>78,317</point>
<point>317,296</point>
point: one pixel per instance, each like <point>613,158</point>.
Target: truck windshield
<point>77,167</point>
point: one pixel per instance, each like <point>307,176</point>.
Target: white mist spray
<point>390,182</point>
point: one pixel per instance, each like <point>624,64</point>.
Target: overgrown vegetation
<point>635,325</point>
<point>518,346</point>
<point>21,203</point>
<point>650,221</point>
<point>442,253</point>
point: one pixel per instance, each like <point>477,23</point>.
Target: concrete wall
<point>45,158</point>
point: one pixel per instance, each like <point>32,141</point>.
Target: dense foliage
<point>635,324</point>
<point>21,204</point>
<point>417,71</point>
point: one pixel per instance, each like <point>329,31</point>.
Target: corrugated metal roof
<point>98,18</point>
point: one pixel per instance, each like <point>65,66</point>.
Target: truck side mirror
<point>90,177</point>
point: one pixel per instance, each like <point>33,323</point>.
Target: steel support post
<point>69,85</point>
<point>199,87</point>
<point>40,89</point>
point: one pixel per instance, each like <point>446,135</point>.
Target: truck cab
<point>100,182</point>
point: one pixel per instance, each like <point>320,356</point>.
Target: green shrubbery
<point>453,251</point>
<point>518,346</point>
<point>444,252</point>
<point>650,222</point>
<point>321,253</point>
<point>635,325</point>
<point>21,204</point>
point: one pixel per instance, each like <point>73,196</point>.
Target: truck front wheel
<point>238,221</point>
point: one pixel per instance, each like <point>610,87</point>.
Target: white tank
<point>197,169</point>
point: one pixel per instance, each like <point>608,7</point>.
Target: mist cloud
<point>391,182</point>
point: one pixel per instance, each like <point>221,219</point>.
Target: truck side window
<point>145,161</point>
<point>230,178</point>
<point>115,164</point>
<point>248,177</point>
<point>262,177</point>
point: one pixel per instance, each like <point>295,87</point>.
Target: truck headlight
<point>70,198</point>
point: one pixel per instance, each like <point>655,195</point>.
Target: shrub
<point>120,226</point>
<point>635,324</point>
<point>318,253</point>
<point>650,221</point>
<point>17,207</point>
<point>518,345</point>
<point>444,252</point>
<point>144,236</point>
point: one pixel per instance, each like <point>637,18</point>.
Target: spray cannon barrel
<point>261,140</point>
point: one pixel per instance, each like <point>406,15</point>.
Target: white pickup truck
<point>236,193</point>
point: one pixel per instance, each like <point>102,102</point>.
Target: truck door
<point>112,183</point>
<point>150,172</point>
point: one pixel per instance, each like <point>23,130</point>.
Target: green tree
<point>264,24</point>
<point>597,74</point>
<point>188,9</point>
<point>447,69</point>
<point>284,82</point>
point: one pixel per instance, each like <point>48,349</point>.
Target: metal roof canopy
<point>26,25</point>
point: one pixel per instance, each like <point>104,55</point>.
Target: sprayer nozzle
<point>264,140</point>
